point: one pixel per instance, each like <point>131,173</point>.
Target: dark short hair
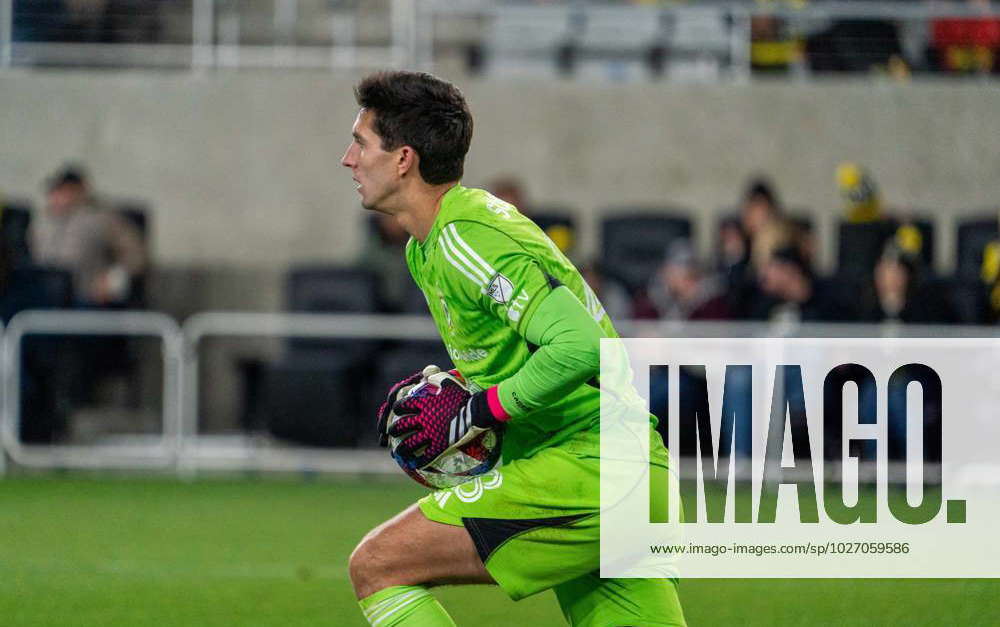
<point>422,111</point>
<point>761,187</point>
<point>69,174</point>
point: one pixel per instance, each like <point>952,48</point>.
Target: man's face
<point>374,170</point>
<point>63,199</point>
<point>891,277</point>
<point>756,212</point>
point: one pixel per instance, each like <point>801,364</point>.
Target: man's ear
<point>407,160</point>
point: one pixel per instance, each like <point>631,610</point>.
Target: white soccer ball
<point>474,458</point>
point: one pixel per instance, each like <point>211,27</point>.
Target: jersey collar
<point>441,218</point>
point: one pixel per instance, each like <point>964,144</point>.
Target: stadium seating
<point>298,390</point>
<point>699,42</point>
<point>136,212</point>
<point>616,42</point>
<point>49,370</point>
<point>15,218</point>
<point>972,236</point>
<point>36,287</point>
<point>633,242</point>
<point>854,45</point>
<point>559,224</point>
<point>324,289</point>
<point>398,360</point>
<point>526,40</point>
<point>859,245</point>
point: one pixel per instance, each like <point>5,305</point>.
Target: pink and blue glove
<point>442,417</point>
<point>382,416</point>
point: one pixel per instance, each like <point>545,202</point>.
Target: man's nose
<point>348,159</point>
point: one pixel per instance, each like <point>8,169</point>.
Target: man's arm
<point>497,276</point>
<point>568,355</point>
<point>126,243</point>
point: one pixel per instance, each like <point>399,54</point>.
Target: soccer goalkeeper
<point>524,328</point>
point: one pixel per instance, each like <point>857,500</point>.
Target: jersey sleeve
<point>490,271</point>
<point>568,355</point>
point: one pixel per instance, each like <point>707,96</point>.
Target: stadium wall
<point>242,169</point>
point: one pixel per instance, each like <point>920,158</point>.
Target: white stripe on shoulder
<point>451,236</point>
<point>446,248</point>
<point>489,269</point>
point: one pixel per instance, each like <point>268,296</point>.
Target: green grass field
<point>80,551</point>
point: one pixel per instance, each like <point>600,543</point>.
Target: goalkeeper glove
<point>432,424</point>
<point>399,389</point>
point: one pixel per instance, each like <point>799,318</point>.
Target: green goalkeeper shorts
<point>536,525</point>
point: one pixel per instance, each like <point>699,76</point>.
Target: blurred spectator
<point>862,200</point>
<point>773,236</point>
<point>772,48</point>
<point>760,205</point>
<point>901,293</point>
<point>966,45</point>
<point>733,265</point>
<point>747,244</point>
<point>763,219</point>
<point>681,290</point>
<point>732,246</point>
<point>102,250</point>
<point>383,254</point>
<point>609,291</point>
<point>790,291</point>
<point>560,230</point>
<point>509,189</point>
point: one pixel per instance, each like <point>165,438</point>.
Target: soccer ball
<point>474,458</point>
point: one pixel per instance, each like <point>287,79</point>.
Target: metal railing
<point>181,448</point>
<point>217,35</point>
<point>351,34</point>
<point>247,454</point>
<point>162,454</point>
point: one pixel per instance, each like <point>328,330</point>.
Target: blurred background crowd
<point>80,250</point>
<point>740,162</point>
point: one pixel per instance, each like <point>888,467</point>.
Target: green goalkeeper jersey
<point>484,268</point>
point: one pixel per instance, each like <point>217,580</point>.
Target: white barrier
<point>248,454</point>
<point>162,454</point>
<point>181,448</point>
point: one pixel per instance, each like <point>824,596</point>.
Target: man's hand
<point>399,389</point>
<point>444,418</point>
